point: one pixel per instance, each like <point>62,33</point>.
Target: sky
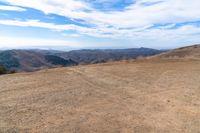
<point>74,24</point>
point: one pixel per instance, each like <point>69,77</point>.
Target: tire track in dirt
<point>119,95</point>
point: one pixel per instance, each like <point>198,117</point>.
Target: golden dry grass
<point>160,96</point>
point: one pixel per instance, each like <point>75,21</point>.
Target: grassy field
<point>151,96</point>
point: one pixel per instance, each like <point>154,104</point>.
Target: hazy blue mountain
<point>36,59</point>
<point>88,56</point>
<point>31,60</point>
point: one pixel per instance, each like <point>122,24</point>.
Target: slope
<point>31,60</point>
<point>189,52</point>
<point>88,56</point>
<point>144,96</point>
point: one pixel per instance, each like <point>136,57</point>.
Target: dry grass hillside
<point>189,52</point>
<point>145,96</point>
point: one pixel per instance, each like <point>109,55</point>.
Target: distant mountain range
<point>88,56</point>
<point>31,60</point>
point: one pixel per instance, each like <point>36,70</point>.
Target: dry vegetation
<point>152,96</point>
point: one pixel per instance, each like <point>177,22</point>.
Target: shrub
<point>12,71</point>
<point>2,69</point>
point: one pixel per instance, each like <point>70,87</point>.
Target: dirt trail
<point>126,97</point>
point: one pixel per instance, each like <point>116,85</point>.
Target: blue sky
<point>74,24</point>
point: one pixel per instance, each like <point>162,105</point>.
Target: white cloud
<point>14,42</point>
<point>167,11</point>
<point>37,23</point>
<point>163,33</point>
<point>133,22</point>
<point>11,8</point>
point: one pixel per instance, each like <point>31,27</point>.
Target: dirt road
<point>121,97</point>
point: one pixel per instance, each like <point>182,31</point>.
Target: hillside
<point>189,52</point>
<point>135,96</point>
<point>104,55</point>
<point>140,97</point>
<point>31,60</point>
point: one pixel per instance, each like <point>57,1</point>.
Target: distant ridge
<point>89,56</point>
<point>31,60</point>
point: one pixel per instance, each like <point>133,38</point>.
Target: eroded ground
<point>121,97</point>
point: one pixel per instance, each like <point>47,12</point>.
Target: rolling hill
<point>103,55</point>
<point>134,96</point>
<point>189,52</point>
<point>31,60</point>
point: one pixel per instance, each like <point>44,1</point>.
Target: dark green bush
<point>2,70</point>
<point>12,71</point>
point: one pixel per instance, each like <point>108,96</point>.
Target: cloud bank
<point>136,19</point>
